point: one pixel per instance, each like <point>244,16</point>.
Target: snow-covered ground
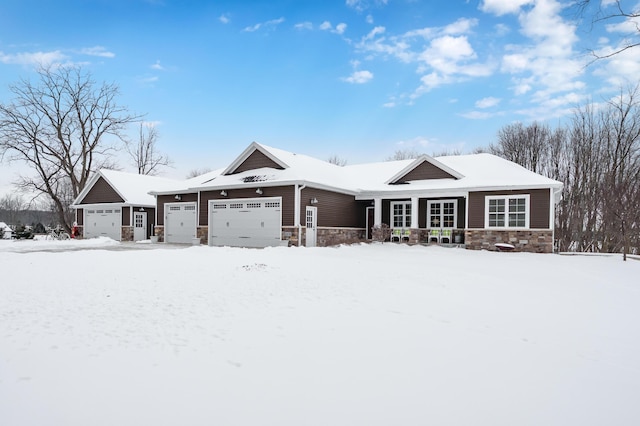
<point>361,335</point>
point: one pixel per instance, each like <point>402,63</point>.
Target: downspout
<point>296,214</point>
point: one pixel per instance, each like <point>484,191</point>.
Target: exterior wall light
<point>259,191</point>
<point>314,200</point>
<point>223,193</point>
<point>178,197</point>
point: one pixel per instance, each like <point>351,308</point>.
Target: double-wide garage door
<point>254,222</point>
<point>103,222</point>
<point>180,222</point>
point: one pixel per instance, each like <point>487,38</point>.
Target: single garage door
<point>180,222</point>
<point>254,222</point>
<point>103,222</point>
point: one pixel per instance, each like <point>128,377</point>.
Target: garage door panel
<point>245,223</point>
<point>103,222</point>
<point>180,222</point>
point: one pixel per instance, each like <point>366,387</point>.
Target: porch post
<point>414,212</point>
<point>377,211</point>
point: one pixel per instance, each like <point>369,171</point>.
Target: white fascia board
<point>267,184</point>
<point>92,181</point>
<point>454,192</point>
<point>114,188</point>
<point>421,160</point>
<point>247,152</point>
<point>422,193</point>
<point>102,205</point>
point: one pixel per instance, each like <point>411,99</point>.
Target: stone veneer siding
<point>127,233</point>
<point>202,232</point>
<point>158,231</point>
<point>530,240</point>
<point>336,236</point>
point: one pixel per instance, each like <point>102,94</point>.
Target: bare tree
<point>404,154</point>
<point>334,159</point>
<point>10,207</point>
<point>198,172</point>
<point>522,144</point>
<point>64,127</point>
<point>144,154</point>
<point>612,12</point>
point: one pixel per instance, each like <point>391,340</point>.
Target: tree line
<point>597,157</point>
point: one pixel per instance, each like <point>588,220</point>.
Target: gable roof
<point>442,171</point>
<point>276,167</point>
<point>132,188</point>
<point>251,150</point>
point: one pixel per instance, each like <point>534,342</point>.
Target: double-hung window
<point>442,213</point>
<point>510,211</point>
<point>401,214</point>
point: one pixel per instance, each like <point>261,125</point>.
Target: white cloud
<point>487,102</point>
<point>369,19</point>
<point>339,29</point>
<point>548,65</point>
<point>157,66</point>
<point>461,26</point>
<point>97,51</point>
<point>224,18</point>
<point>628,26</point>
<point>33,58</point>
<point>361,5</point>
<point>359,77</point>
<point>303,26</point>
<point>503,7</point>
<point>271,23</point>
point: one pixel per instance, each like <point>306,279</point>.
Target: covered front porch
<point>437,218</point>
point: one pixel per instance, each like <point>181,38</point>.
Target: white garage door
<point>255,222</point>
<point>180,222</point>
<point>103,222</point>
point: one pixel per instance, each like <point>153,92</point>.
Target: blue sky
<point>357,78</point>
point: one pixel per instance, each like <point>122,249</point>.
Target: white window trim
<point>506,198</point>
<point>406,218</point>
<point>455,212</point>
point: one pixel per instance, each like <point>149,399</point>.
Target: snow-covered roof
<point>468,172</point>
<point>132,188</point>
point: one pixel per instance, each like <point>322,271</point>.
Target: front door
<point>139,226</point>
<point>312,229</point>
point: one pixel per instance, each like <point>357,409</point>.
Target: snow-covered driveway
<point>362,335</point>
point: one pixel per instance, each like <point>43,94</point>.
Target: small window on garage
<point>189,208</point>
<point>272,204</point>
<point>99,211</point>
<point>236,205</point>
<point>108,211</point>
<point>174,208</point>
<point>91,211</point>
<point>219,206</point>
<point>254,205</point>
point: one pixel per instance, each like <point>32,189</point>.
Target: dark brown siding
<point>255,161</point>
<point>424,171</point>
<point>162,199</point>
<point>538,205</point>
<point>151,217</point>
<point>101,192</point>
<point>80,216</point>
<point>286,192</point>
<point>334,209</point>
<point>126,216</point>
<point>422,213</point>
